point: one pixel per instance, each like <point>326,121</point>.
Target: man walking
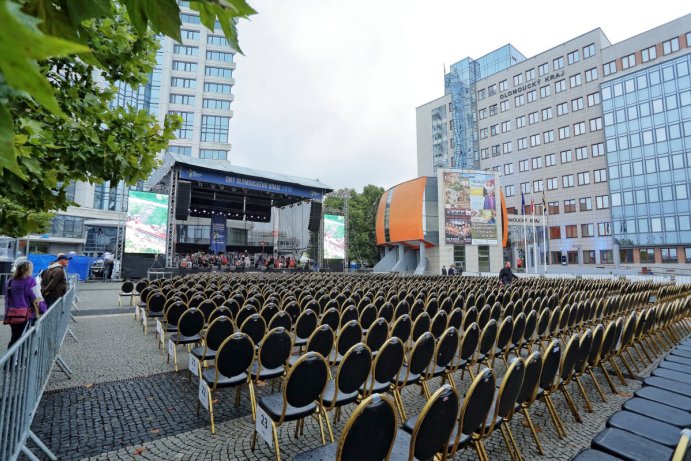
<point>505,274</point>
<point>54,280</point>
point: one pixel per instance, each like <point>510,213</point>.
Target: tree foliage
<point>59,63</point>
<point>362,215</point>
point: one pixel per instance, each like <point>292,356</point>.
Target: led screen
<point>147,220</point>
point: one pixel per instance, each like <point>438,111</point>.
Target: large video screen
<point>470,209</point>
<point>147,220</point>
<point>334,237</point>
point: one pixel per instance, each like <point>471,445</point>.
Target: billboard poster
<point>334,237</point>
<point>147,220</point>
<point>218,233</point>
<point>470,216</point>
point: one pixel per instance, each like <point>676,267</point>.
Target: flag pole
<point>525,235</point>
<point>532,206</point>
<point>544,228</point>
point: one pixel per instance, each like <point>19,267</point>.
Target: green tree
<point>59,62</point>
<point>362,215</point>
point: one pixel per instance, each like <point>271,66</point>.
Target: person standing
<point>54,279</point>
<point>21,302</point>
<point>108,264</point>
<point>443,270</point>
<point>505,274</point>
<point>452,270</point>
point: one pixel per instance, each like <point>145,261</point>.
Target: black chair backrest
<point>370,431</point>
<point>293,309</point>
<point>221,311</point>
<point>350,335</point>
<point>531,379</point>
<point>608,341</point>
<point>127,287</point>
<point>434,424</point>
<point>331,318</point>
<point>174,313</point>
<point>275,348</point>
<point>422,353</point>
<point>543,323</point>
<point>470,317</point>
<point>596,345</point>
<point>254,327</point>
<point>207,307</point>
<point>219,330</point>
<point>306,324</point>
<point>469,343</point>
<point>196,300</point>
<point>439,322</point>
<point>354,369</point>
<point>551,360</point>
<point>402,328</point>
<point>155,302</point>
<point>421,325</point>
<point>268,312</point>
<point>402,308</point>
<point>389,360</point>
<point>245,313</point>
<point>583,351</point>
<point>488,337</point>
<point>447,346</point>
<point>530,325</point>
<point>456,319</point>
<point>483,317</point>
<point>377,334</point>
<point>348,314</point>
<point>518,329</point>
<point>386,311</point>
<point>141,285</point>
<point>191,322</point>
<point>569,359</point>
<point>504,334</point>
<point>281,319</point>
<point>510,388</point>
<point>321,340</point>
<point>368,315</point>
<point>477,402</point>
<point>235,355</point>
<point>305,381</point>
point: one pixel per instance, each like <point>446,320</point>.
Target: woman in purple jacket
<point>21,293</point>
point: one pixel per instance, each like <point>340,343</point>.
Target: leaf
<point>79,10</point>
<point>138,451</point>
<point>8,154</point>
<point>162,15</point>
<point>22,46</point>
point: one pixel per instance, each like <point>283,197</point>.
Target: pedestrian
<point>21,301</point>
<point>443,270</point>
<point>505,274</point>
<point>460,269</point>
<point>54,279</point>
<point>452,270</point>
<point>108,264</point>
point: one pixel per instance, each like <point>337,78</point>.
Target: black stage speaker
<point>183,200</point>
<point>315,217</point>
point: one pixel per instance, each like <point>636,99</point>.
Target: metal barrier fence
<point>24,372</point>
<point>675,279</point>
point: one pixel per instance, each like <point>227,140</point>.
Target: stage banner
<point>470,216</point>
<point>147,221</point>
<point>334,237</point>
<point>218,233</point>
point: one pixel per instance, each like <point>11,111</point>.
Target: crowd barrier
<point>675,279</point>
<point>24,372</point>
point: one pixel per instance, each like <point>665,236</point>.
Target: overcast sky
<point>328,89</point>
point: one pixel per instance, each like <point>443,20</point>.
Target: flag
<point>544,202</point>
<point>532,204</point>
<point>522,203</point>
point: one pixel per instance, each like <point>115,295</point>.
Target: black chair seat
<point>412,378</point>
<point>378,387</point>
<point>324,453</point>
<point>672,374</point>
<point>266,373</point>
<point>292,360</point>
<point>678,359</point>
<point>628,446</point>
<point>409,425</point>
<point>171,329</point>
<point>153,315</point>
<point>180,339</point>
<point>463,441</point>
<point>341,399</point>
<point>681,352</point>
<point>669,385</point>
<point>273,406</point>
<point>199,353</point>
<point>680,367</point>
<point>657,431</point>
<point>209,375</point>
<point>593,455</point>
<point>672,399</point>
<point>300,342</point>
<point>438,371</point>
<point>659,411</point>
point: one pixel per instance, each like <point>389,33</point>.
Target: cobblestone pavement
<point>126,403</point>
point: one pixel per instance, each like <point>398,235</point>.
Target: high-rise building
<point>602,131</point>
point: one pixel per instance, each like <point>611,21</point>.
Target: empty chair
<point>566,369</point>
<point>321,340</point>
<point>126,291</point>
<point>581,365</point>
<point>402,328</point>
<point>272,357</point>
<point>503,340</point>
<point>219,329</point>
<point>171,318</point>
<point>485,348</point>
<point>189,327</point>
<point>428,433</point>
<point>368,435</point>
<point>207,307</point>
<point>466,352</point>
<point>456,319</point>
<point>281,319</point>
<point>412,371</point>
<point>367,316</point>
<point>551,361</point>
<point>444,355</point>
<point>528,393</point>
<point>331,317</point>
<point>304,326</point>
<point>350,335</point>
<point>438,325</point>
<point>255,328</point>
<point>348,314</point>
<point>244,314</point>
<point>299,398</point>
<point>385,368</point>
<point>421,326</point>
<point>377,335</point>
<point>386,312</point>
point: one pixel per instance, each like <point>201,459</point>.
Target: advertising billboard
<point>334,237</point>
<point>470,216</point>
<point>147,220</point>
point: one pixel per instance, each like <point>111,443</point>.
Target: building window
<point>547,113</point>
<point>591,74</point>
<point>493,130</point>
<point>597,149</point>
<point>550,159</point>
<point>180,150</point>
<point>520,121</point>
<point>525,187</point>
<point>570,206</point>
<point>609,68</point>
<point>216,40</point>
<point>583,178</point>
<point>517,79</point>
<point>221,88</point>
<point>596,124</point>
<point>219,56</point>
<point>481,94</point>
<point>522,143</point>
<point>647,255</point>
<point>589,257</point>
<point>543,69</point>
<point>553,207</point>
<point>492,110</point>
<point>483,133</point>
<point>503,85</point>
<point>507,148</point>
<point>589,51</point>
<point>483,114</point>
<point>555,232</point>
<point>534,140</point>
<point>218,72</point>
<point>687,251</point>
<point>508,168</point>
<point>600,175</point>
<point>565,156</point>
<point>567,181</point>
<point>185,130</point>
<point>606,257</point>
<point>552,183</point>
<point>184,99</point>
<point>562,108</point>
<point>214,128</point>
<point>186,50</point>
<point>536,163</point>
<point>581,153</point>
<point>573,57</point>
<point>564,132</point>
<point>585,204</point>
<point>519,100</point>
<point>578,128</point>
<point>575,80</point>
<point>213,154</point>
<point>649,54</point>
<point>670,46</point>
<point>506,126</point>
<point>510,190</point>
<point>587,230</point>
<point>67,226</point>
<point>538,186</point>
<point>560,86</point>
<point>495,150</point>
<point>504,106</point>
<point>492,90</point>
<point>603,229</point>
<point>628,61</point>
<point>183,82</point>
<point>548,136</point>
<point>523,165</point>
<point>189,34</point>
<point>545,91</point>
<point>558,63</point>
<point>185,66</point>
<point>593,99</point>
<point>532,96</point>
<point>483,258</point>
<point>571,231</point>
<point>189,18</point>
<point>576,104</point>
<point>216,104</point>
<point>459,255</point>
<point>533,118</point>
<point>602,202</point>
<point>484,153</point>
